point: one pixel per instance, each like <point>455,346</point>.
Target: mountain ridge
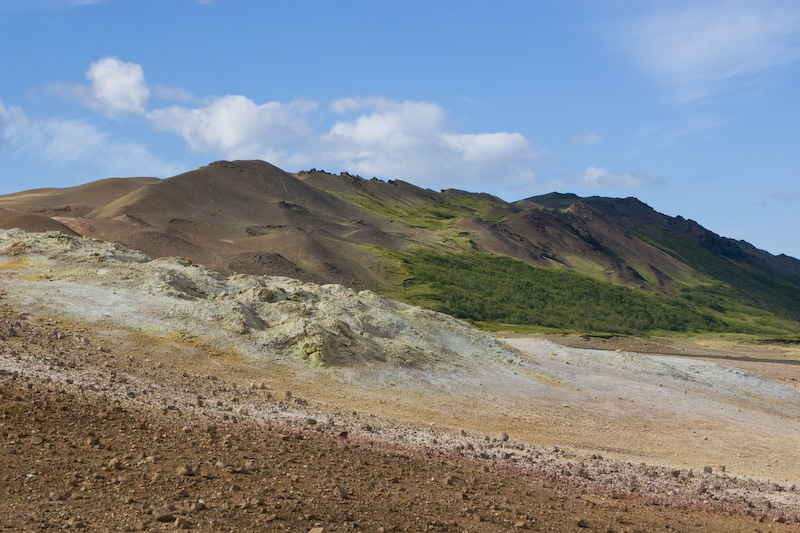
<point>254,218</point>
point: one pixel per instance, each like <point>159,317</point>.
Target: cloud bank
<point>413,140</point>
<point>373,136</point>
<point>370,136</point>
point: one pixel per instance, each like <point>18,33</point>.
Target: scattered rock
<point>199,505</point>
<point>76,523</point>
<point>185,470</point>
<point>164,513</point>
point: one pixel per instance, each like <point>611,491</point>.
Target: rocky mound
<point>263,317</point>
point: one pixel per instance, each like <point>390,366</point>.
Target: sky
<point>692,107</point>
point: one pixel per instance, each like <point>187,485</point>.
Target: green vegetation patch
<point>501,290</point>
<point>737,284</point>
<point>434,215</point>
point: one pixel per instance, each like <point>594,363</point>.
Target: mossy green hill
<point>552,262</point>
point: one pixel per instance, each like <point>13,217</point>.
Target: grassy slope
<point>501,290</point>
<point>498,292</point>
<point>734,283</point>
<point>435,216</point>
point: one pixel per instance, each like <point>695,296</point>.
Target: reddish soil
<point>85,458</point>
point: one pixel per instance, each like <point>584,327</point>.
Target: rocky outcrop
<point>263,316</point>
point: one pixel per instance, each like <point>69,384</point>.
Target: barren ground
<point>110,423</point>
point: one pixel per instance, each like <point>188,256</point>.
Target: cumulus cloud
<point>116,88</point>
<point>412,140</point>
<point>600,177</point>
<point>698,49</point>
<point>392,125</point>
<point>236,127</point>
<point>373,136</point>
<point>587,138</point>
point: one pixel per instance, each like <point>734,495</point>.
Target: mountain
<point>554,261</point>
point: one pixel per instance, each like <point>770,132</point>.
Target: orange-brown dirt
<point>97,435</point>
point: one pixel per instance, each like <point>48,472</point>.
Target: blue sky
<point>692,107</point>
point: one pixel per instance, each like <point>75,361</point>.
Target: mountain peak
<point>252,217</point>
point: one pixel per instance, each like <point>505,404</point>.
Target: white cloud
<point>64,142</point>
<point>587,138</point>
<point>391,125</point>
<point>412,140</point>
<point>699,49</point>
<point>236,127</point>
<point>600,177</point>
<point>117,88</point>
<point>373,136</point>
<point>374,103</point>
<point>488,148</point>
<point>12,121</point>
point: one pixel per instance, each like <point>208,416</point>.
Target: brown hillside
<point>31,222</point>
<point>252,217</point>
<point>73,201</point>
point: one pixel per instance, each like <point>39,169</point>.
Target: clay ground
<point>110,430</point>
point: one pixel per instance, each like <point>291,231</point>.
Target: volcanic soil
<point>119,413</point>
<point>82,457</point>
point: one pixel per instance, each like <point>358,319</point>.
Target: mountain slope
<point>766,281</point>
<point>605,264</point>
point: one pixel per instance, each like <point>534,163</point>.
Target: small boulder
<point>164,513</point>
